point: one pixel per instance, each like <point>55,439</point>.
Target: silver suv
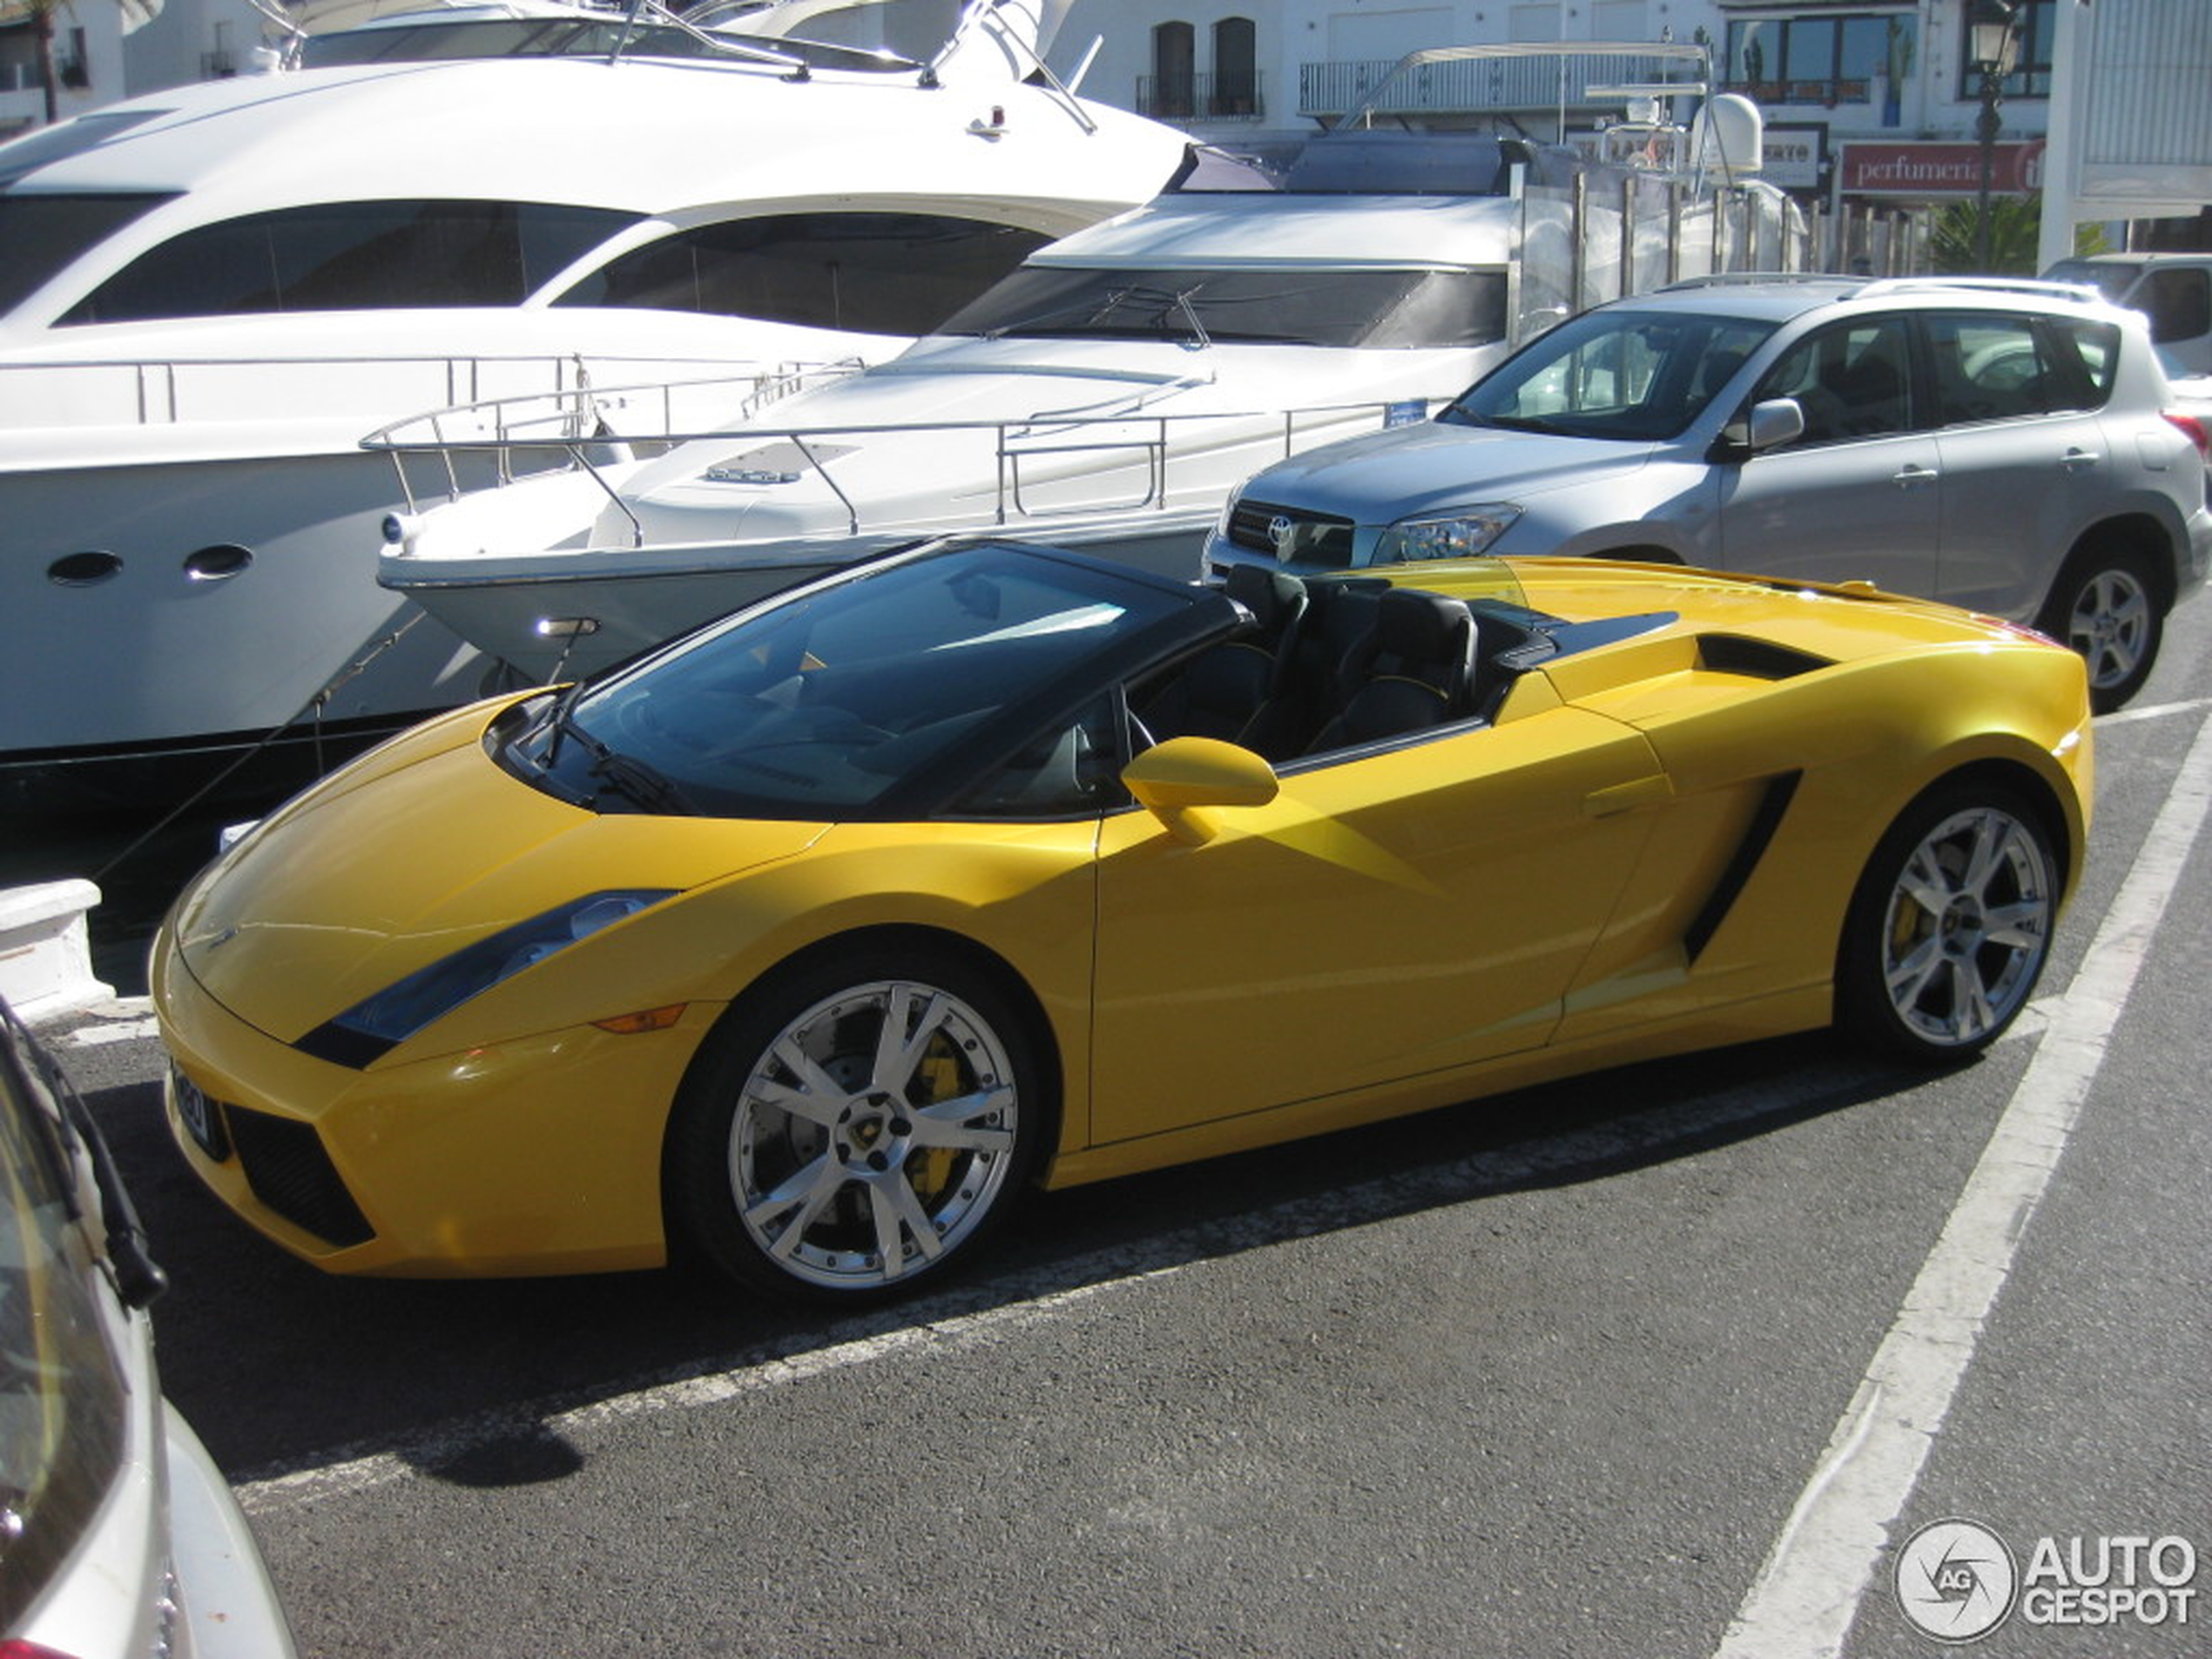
<point>2007,447</point>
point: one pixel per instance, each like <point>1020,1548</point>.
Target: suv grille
<point>290,1172</point>
<point>1288,536</point>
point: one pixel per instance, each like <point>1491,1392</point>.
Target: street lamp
<point>1990,49</point>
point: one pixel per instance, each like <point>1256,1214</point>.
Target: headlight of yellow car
<point>1457,535</point>
<point>379,1023</point>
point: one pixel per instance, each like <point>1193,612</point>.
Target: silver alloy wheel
<point>1966,927</point>
<point>873,1135</point>
<point>2110,625</point>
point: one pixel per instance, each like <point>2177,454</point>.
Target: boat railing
<point>594,434</point>
<point>176,391</point>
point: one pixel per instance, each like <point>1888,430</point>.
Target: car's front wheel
<point>2105,608</point>
<point>856,1126</point>
<point>1949,925</point>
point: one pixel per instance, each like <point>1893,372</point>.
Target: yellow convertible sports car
<point>811,939</point>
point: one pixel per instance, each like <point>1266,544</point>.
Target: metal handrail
<point>153,391</point>
<point>1010,441</point>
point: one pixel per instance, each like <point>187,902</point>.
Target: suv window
<point>1999,368</point>
<point>2179,301</point>
<point>1852,380</point>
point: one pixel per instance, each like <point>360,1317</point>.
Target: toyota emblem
<point>1282,535</point>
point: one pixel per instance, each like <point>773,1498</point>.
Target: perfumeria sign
<point>1934,171</point>
<point>1957,1580</point>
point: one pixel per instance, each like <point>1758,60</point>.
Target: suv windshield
<point>1613,373</point>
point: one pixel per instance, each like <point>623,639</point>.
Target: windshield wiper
<point>641,781</point>
<point>637,780</point>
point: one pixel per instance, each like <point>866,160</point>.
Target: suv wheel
<point>2106,608</point>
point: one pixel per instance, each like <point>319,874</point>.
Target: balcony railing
<point>1200,97</point>
<point>1475,85</point>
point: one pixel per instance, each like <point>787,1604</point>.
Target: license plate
<point>199,1115</point>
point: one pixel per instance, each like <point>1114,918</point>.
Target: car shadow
<point>282,1368</point>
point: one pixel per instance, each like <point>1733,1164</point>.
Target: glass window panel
<point>353,256</point>
<point>890,274</point>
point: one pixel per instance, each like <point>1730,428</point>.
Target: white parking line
<point>427,1452</point>
<point>1655,1131</point>
<point>1803,1603</point>
<point>2154,711</point>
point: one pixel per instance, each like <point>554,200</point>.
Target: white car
<point>2009,447</point>
<point>117,1533</point>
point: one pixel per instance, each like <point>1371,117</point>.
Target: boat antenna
<point>982,15</point>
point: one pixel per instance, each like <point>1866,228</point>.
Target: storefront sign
<point>1939,169</point>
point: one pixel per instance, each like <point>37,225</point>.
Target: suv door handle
<point>1914,474</point>
<point>2075,460</point>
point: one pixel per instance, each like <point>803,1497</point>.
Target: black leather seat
<point>1413,670</point>
<point>1233,690</point>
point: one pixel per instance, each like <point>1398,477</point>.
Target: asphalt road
<point>1672,1360</point>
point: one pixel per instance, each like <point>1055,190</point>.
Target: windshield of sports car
<point>837,702</point>
<point>1628,374</point>
<point>1319,307</point>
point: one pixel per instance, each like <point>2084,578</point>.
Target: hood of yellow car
<point>347,890</point>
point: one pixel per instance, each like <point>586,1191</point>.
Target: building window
<point>2035,24</point>
<point>1235,69</point>
<point>1824,60</point>
<point>1175,66</point>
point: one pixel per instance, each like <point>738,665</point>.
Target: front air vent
<point>289,1171</point>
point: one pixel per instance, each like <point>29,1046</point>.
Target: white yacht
<point>209,294</point>
<point>1108,395</point>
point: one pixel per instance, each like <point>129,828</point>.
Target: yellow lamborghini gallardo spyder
<point>813,938</point>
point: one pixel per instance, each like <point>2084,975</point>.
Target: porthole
<point>84,569</point>
<point>218,564</point>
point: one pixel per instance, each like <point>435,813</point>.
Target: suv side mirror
<point>1772,422</point>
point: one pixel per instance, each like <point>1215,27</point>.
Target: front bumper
<point>537,1155</point>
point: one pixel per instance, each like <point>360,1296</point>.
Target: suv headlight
<point>1458,535</point>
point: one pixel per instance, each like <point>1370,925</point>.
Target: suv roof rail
<point>1738,278</point>
<point>2034,286</point>
<point>1865,287</point>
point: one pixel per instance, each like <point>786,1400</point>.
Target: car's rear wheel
<point>856,1126</point>
<point>2106,610</point>
<point>1949,925</point>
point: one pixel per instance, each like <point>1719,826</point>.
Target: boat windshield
<point>1634,375</point>
<point>1298,307</point>
<point>821,705</point>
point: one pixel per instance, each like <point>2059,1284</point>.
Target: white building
<point>1866,102</point>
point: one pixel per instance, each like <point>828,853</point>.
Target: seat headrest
<point>1422,627</point>
<point>1272,597</point>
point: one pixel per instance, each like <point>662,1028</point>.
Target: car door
<point>2025,460</point>
<point>1858,496</point>
<point>1389,914</point>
